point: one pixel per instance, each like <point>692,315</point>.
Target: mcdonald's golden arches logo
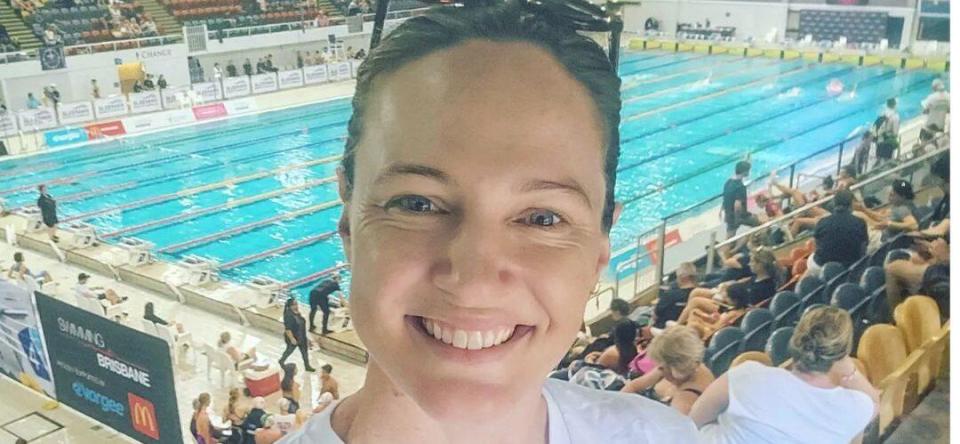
<point>143,416</point>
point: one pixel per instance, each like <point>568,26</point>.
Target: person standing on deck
<point>48,212</point>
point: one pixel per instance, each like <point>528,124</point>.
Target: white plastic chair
<point>149,327</point>
<point>221,361</point>
<point>176,340</point>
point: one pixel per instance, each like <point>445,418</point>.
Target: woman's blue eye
<point>543,218</point>
<point>413,204</point>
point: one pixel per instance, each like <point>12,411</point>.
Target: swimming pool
<point>236,189</point>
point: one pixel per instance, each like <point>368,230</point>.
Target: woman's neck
<point>380,412</point>
<point>816,379</point>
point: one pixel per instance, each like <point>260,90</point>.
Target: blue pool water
<point>687,118</point>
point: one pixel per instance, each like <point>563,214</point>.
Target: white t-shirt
<point>771,405</point>
<point>937,105</point>
<point>892,124</point>
<point>575,415</point>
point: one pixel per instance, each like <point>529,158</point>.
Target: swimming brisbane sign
<point>110,372</point>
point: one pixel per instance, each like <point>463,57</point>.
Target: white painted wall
<point>17,79</point>
<point>750,18</point>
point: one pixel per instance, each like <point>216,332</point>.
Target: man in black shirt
<point>320,298</point>
<point>48,212</point>
<point>840,237</point>
<point>735,211</point>
<point>941,170</point>
<point>295,334</point>
<point>231,69</point>
<point>671,302</point>
<point>247,68</point>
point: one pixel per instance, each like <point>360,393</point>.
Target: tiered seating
<point>196,9</point>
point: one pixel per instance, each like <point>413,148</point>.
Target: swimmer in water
<point>835,87</point>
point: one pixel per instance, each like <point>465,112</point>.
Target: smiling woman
<point>478,198</point>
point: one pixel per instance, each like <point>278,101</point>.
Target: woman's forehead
<point>483,102</point>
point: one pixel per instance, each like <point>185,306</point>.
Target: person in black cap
<point>320,298</point>
<point>48,212</point>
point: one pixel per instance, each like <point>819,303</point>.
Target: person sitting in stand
<point>148,83</point>
<point>236,355</point>
<point>290,388</point>
<point>137,86</point>
<point>20,272</point>
<point>706,316</point>
<point>161,82</point>
<point>96,293</point>
<point>680,376</point>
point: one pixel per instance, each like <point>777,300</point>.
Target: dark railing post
<point>661,248</point>
<point>636,268</point>
<point>793,171</point>
<point>379,18</point>
<point>840,158</point>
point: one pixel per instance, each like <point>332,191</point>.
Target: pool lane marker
<point>313,277</point>
<point>189,191</point>
<point>248,227</point>
<point>216,208</point>
<point>724,74</point>
<point>310,240</point>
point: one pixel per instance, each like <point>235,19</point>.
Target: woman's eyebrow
<point>569,186</point>
<point>402,169</point>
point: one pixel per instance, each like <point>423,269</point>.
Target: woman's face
<point>475,217</point>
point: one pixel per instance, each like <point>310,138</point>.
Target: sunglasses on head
<point>579,15</point>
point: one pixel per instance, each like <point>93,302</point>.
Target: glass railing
<point>300,24</point>
<point>91,48</point>
<point>686,236</point>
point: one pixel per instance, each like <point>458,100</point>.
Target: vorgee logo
<point>143,416</point>
<point>94,397</point>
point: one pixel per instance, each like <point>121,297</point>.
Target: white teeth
<point>489,339</point>
<point>476,340</point>
<point>467,340</point>
<point>459,339</point>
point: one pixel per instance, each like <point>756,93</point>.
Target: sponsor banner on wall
<point>290,79</point>
<point>110,107</point>
<point>110,372</point>
<point>236,87</point>
<point>315,74</point>
<point>342,71</point>
<point>262,83</point>
<point>144,102</point>
<point>76,112</point>
<point>207,91</point>
<point>240,106</point>
<point>139,124</point>
<point>170,96</point>
<point>98,130</point>
<point>37,119</point>
<point>65,136</point>
<point>8,123</point>
<point>212,111</point>
<point>23,353</point>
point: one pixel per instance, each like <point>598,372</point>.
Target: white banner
<point>342,71</point>
<point>236,86</point>
<point>264,82</point>
<point>169,96</point>
<point>145,102</point>
<point>8,124</point>
<point>138,124</point>
<point>40,118</point>
<point>354,65</point>
<point>240,106</point>
<point>315,74</point>
<point>290,79</point>
<point>207,91</point>
<point>110,107</point>
<point>75,112</point>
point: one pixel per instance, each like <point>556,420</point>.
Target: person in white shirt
<point>823,399</point>
<point>936,106</point>
<point>96,293</point>
<point>475,239</point>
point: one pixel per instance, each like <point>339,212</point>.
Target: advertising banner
<point>23,355</point>
<point>264,82</point>
<point>144,102</point>
<point>240,106</point>
<point>139,124</point>
<point>37,119</point>
<point>315,74</point>
<point>8,124</point>
<point>236,87</point>
<point>76,112</point>
<point>98,130</point>
<point>354,65</point>
<point>342,70</point>
<point>111,372</point>
<point>171,96</point>
<point>110,107</point>
<point>290,79</point>
<point>207,91</point>
<point>212,111</point>
<point>65,136</point>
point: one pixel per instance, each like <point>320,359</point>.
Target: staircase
<point>166,24</point>
<point>19,32</point>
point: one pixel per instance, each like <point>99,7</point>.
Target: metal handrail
<point>884,175</point>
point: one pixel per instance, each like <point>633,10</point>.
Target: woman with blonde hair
<point>680,376</point>
<point>822,399</point>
